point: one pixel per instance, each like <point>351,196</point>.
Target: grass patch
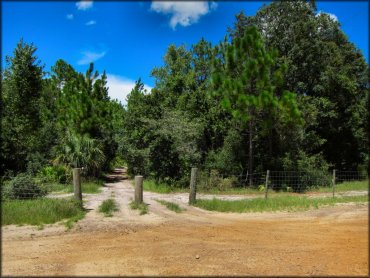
<point>233,191</point>
<point>171,206</point>
<point>71,221</point>
<point>91,187</point>
<point>152,186</point>
<point>40,211</point>
<point>108,207</point>
<point>278,203</point>
<point>345,186</point>
<point>142,207</point>
<point>88,187</point>
<point>57,187</point>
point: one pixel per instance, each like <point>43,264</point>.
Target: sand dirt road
<point>327,241</point>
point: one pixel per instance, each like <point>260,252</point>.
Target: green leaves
<point>250,77</point>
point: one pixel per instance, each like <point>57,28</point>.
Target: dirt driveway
<point>327,241</point>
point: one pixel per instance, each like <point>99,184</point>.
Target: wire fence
<point>283,181</point>
<point>24,187</point>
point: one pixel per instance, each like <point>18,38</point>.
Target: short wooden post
<point>77,184</point>
<point>139,189</point>
<point>193,186</point>
<point>267,183</point>
<point>333,183</point>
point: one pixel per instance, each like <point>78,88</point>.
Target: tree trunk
<point>250,162</point>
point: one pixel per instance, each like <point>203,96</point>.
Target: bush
<point>34,163</point>
<point>207,182</point>
<point>58,174</point>
<point>108,207</point>
<point>227,183</point>
<point>24,187</point>
<point>309,172</point>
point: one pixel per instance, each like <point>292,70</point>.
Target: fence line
<point>291,181</point>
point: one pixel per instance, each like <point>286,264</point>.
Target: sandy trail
<point>327,241</point>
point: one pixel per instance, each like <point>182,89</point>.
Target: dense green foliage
<point>284,90</point>
<point>23,187</point>
<point>66,118</point>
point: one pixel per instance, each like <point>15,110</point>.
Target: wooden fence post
<point>138,189</point>
<point>333,183</point>
<point>193,186</point>
<point>267,183</point>
<point>77,184</point>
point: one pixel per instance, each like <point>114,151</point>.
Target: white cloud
<point>182,12</point>
<point>70,16</point>
<point>332,16</point>
<point>84,5</point>
<point>91,22</point>
<point>89,57</point>
<point>120,87</point>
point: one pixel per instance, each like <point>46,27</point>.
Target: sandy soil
<point>327,241</point>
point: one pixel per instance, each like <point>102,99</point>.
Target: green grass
<point>278,203</point>
<point>232,191</point>
<point>41,211</point>
<point>108,207</point>
<point>71,221</point>
<point>152,186</point>
<point>142,207</point>
<point>88,187</point>
<point>56,187</point>
<point>345,186</point>
<point>91,187</point>
<point>171,206</point>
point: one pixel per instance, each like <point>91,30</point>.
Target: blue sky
<point>129,39</point>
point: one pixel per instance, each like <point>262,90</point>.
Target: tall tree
<point>249,83</point>
<point>325,69</point>
<point>22,86</point>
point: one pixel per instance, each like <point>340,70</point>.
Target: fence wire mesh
<point>281,181</point>
<point>24,187</point>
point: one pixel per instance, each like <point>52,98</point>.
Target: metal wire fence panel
<point>23,187</point>
<point>280,181</point>
<point>298,181</point>
<point>344,176</point>
<point>214,180</point>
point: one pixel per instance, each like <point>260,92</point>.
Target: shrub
<point>309,172</point>
<point>58,174</point>
<point>108,207</point>
<point>227,183</point>
<point>34,163</point>
<point>24,187</point>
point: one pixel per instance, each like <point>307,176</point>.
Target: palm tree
<point>81,151</point>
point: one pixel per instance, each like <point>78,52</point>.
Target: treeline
<point>60,118</point>
<point>284,90</point>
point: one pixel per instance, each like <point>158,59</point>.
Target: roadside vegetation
<point>108,207</point>
<point>151,186</point>
<point>41,211</point>
<point>171,206</point>
<point>238,107</point>
<point>143,208</point>
<point>346,186</point>
<point>278,203</point>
